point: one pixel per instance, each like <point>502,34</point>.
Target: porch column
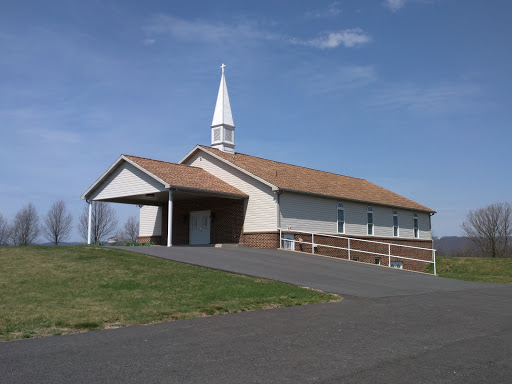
<point>89,222</point>
<point>169,221</point>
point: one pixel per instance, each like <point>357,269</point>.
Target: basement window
<point>355,258</point>
<point>396,264</point>
<point>377,260</point>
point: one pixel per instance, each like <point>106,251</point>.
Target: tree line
<point>57,224</point>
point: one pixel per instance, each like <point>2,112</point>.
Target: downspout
<point>278,206</point>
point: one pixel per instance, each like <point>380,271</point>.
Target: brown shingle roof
<point>185,176</point>
<point>306,180</point>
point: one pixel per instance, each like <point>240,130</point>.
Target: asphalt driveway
<point>324,273</point>
<point>405,328</point>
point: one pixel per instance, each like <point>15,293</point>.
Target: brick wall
<point>267,240</point>
<point>227,219</point>
<point>153,239</point>
<point>357,245</point>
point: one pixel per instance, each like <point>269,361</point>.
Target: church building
<point>215,195</point>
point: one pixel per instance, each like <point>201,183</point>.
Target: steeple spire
<point>223,127</point>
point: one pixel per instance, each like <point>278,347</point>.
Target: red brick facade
<point>267,240</point>
<point>227,220</point>
<point>357,245</point>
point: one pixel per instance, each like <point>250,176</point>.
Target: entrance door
<point>199,227</point>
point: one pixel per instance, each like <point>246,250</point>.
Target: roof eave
<point>209,191</point>
<point>356,200</point>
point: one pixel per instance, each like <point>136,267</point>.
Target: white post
<point>89,222</point>
<point>280,238</point>
<point>312,243</point>
<point>434,256</point>
<point>389,255</point>
<point>169,221</point>
<point>348,248</point>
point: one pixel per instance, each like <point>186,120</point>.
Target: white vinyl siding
<point>150,221</point>
<point>310,213</point>
<point>261,207</point>
<point>126,180</point>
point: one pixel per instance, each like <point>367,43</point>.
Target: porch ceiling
<point>162,198</point>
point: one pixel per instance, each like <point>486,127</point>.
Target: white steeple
<point>223,127</point>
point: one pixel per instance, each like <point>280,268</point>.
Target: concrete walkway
<point>405,328</point>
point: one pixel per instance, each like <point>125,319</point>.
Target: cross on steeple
<point>223,66</point>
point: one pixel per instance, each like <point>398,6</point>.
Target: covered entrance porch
<point>179,204</point>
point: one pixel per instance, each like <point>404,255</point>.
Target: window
<point>355,258</point>
<point>341,218</point>
<point>377,260</point>
<point>369,213</point>
<point>396,264</point>
<point>416,226</point>
<point>395,223</point>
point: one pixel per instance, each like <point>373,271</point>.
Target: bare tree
<point>103,222</point>
<point>57,223</point>
<point>131,229</point>
<point>25,228</point>
<point>490,229</point>
<point>5,231</point>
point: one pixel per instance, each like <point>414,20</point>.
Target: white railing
<point>348,248</point>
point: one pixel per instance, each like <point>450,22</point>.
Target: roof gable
<point>185,176</point>
<point>169,175</point>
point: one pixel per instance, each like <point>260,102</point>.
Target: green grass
<point>58,290</point>
<point>474,269</point>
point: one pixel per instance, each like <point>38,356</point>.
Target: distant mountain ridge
<point>455,246</point>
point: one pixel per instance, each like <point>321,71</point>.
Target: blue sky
<point>413,95</point>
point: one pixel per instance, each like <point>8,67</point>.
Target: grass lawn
<point>474,269</point>
<point>57,290</point>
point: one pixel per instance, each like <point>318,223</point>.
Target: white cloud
<point>348,38</point>
<point>437,98</point>
<point>149,42</point>
<point>322,80</point>
<point>200,30</point>
<point>332,10</point>
<point>53,135</point>
<point>394,5</point>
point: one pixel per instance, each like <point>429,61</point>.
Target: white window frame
<point>369,210</point>
<point>340,207</point>
<point>395,214</point>
<point>415,226</point>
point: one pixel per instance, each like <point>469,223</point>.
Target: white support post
<point>313,243</point>
<point>434,257</point>
<point>169,221</point>
<point>280,238</point>
<point>348,246</point>
<point>389,255</point>
<point>89,223</point>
